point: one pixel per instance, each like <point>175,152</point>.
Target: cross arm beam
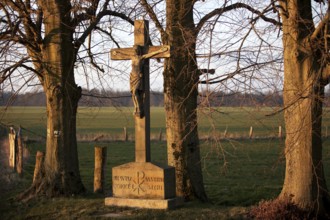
<point>128,53</point>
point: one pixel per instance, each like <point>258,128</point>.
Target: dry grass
<point>280,210</point>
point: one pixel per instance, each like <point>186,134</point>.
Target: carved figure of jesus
<point>137,78</point>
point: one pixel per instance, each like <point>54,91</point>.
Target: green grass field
<point>110,121</point>
<point>237,173</point>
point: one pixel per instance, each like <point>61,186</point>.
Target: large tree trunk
<point>60,174</point>
<point>304,183</point>
<point>181,91</point>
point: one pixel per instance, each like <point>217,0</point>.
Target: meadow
<point>238,172</point>
<point>110,121</point>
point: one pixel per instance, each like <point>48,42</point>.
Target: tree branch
<point>220,11</point>
<point>236,72</point>
<point>16,39</point>
<point>90,54</point>
<point>154,18</point>
<point>93,24</point>
<point>109,34</point>
<point>39,23</point>
<point>320,27</point>
<point>5,73</point>
<point>89,14</point>
<point>31,34</point>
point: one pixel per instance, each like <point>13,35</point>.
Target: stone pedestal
<point>143,185</point>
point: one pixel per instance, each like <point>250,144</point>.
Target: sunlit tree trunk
<point>304,183</point>
<point>181,91</point>
<point>60,173</point>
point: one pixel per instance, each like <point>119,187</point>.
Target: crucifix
<point>140,54</point>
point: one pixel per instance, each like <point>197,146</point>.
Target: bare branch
<point>154,18</point>
<point>39,23</point>
<point>5,73</point>
<point>93,24</point>
<point>220,11</point>
<point>319,29</point>
<point>236,72</point>
<point>89,14</point>
<point>90,54</point>
<point>109,34</point>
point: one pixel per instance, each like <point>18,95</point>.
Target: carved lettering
<point>123,186</point>
<point>154,179</point>
<point>140,183</point>
<point>122,178</point>
<point>155,187</point>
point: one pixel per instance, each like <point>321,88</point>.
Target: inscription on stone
<point>140,183</point>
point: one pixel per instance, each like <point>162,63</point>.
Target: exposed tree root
<point>52,186</point>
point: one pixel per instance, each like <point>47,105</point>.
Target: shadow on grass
<point>92,206</point>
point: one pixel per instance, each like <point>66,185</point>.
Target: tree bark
<point>304,183</point>
<point>180,100</point>
<point>60,174</point>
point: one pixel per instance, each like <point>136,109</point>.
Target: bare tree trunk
<point>61,159</point>
<point>181,91</point>
<point>60,174</point>
<point>304,183</point>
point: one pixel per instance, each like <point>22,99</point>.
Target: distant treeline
<point>89,98</point>
<point>118,98</point>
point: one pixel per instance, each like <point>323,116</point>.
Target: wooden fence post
<point>39,163</point>
<point>12,148</point>
<point>225,133</point>
<point>251,132</point>
<point>125,134</point>
<point>160,135</point>
<point>99,169</point>
<point>326,131</point>
<point>19,158</point>
<point>280,135</point>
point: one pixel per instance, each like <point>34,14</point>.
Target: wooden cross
<point>139,83</point>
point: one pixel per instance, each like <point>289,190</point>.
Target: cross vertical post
<point>142,125</point>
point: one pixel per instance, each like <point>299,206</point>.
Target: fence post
<point>39,163</point>
<point>19,158</point>
<point>125,134</point>
<point>326,131</point>
<point>280,135</point>
<point>160,135</point>
<point>12,148</point>
<point>251,132</point>
<point>99,169</point>
<point>225,133</point>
